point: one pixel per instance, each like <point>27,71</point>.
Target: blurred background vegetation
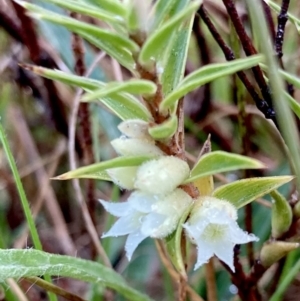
<point>35,113</point>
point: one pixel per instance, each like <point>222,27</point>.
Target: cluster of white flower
<point>156,205</point>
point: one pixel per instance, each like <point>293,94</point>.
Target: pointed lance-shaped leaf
<point>84,172</point>
<point>207,74</point>
<point>16,263</point>
<point>157,41</point>
<point>124,105</point>
<point>162,10</point>
<point>135,86</point>
<point>89,10</point>
<point>175,56</point>
<point>219,161</point>
<point>242,192</point>
<point>118,46</point>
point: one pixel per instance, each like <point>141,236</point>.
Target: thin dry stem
<point>36,207</point>
<point>72,158</point>
<point>211,281</point>
<point>16,289</point>
<point>51,202</point>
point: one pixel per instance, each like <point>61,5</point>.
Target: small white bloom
<point>213,228</point>
<point>161,176</point>
<point>135,147</point>
<point>146,215</point>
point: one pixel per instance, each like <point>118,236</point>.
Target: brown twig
<point>261,104</point>
<point>249,50</point>
<point>84,124</point>
<point>282,19</point>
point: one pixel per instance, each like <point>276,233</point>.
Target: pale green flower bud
<point>135,147</point>
<point>281,214</point>
<point>161,176</point>
<point>273,251</point>
<point>135,128</point>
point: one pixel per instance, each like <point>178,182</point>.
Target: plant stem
<point>285,117</point>
<point>249,50</point>
<point>211,281</point>
<point>282,19</point>
<point>261,104</point>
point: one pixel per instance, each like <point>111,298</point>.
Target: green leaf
<point>207,74</point>
<point>136,86</point>
<point>173,244</point>
<point>293,103</point>
<point>219,161</point>
<point>123,105</point>
<point>161,8</point>
<point>88,10</point>
<point>92,170</point>
<point>16,263</point>
<point>176,57</point>
<point>114,7</point>
<point>156,43</point>
<point>164,130</point>
<point>117,46</point>
<point>241,193</point>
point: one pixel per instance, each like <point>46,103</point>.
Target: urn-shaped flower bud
<point>281,214</point>
<point>135,128</point>
<point>273,251</point>
<point>123,176</point>
<point>213,228</point>
<point>161,176</point>
<point>135,147</point>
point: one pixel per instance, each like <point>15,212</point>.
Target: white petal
<point>135,128</point>
<point>135,147</point>
<point>142,201</point>
<point>133,240</point>
<point>194,231</point>
<point>125,225</point>
<point>161,176</point>
<point>123,176</point>
<point>116,209</point>
<point>224,251</point>
<point>238,236</point>
<point>204,253</point>
<point>152,225</point>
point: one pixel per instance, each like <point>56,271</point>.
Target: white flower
<point>161,176</point>
<point>213,228</point>
<point>146,215</point>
